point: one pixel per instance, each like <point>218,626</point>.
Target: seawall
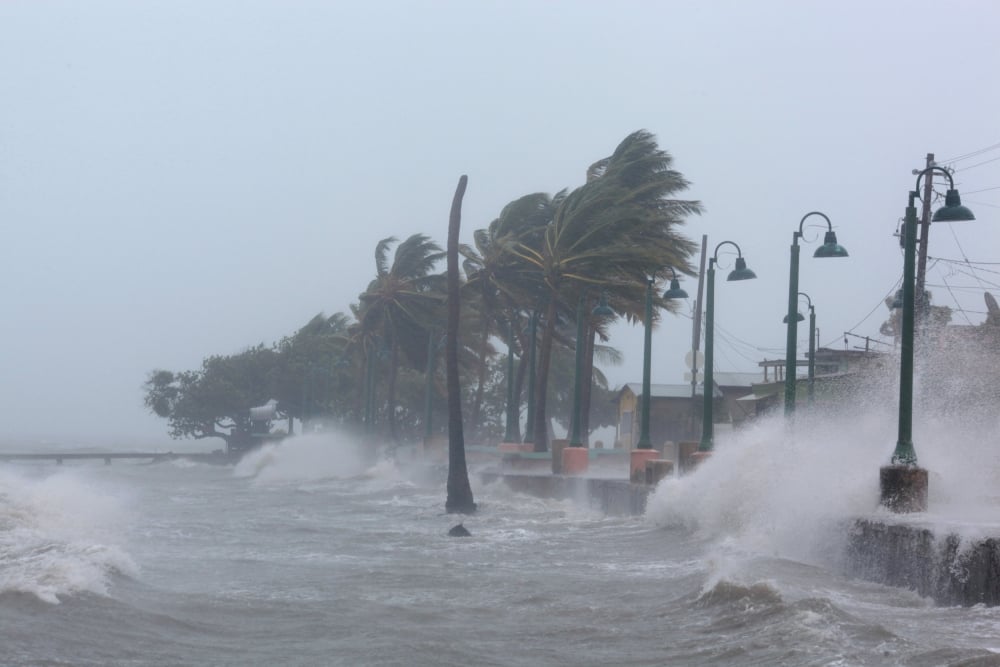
<point>938,564</point>
<point>617,497</point>
<point>944,566</point>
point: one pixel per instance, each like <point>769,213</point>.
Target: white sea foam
<point>303,458</point>
<point>786,493</point>
<point>58,536</point>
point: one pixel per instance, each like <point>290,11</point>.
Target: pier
<point>152,457</point>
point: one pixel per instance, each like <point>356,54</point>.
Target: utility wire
<point>978,164</point>
<point>966,261</point>
<point>974,192</point>
<point>966,156</point>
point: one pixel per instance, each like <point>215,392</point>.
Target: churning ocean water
<point>305,554</point>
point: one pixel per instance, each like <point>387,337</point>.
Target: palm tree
<point>395,312</point>
<point>498,283</point>
<point>459,498</point>
<point>610,233</point>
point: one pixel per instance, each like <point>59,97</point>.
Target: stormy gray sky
<point>184,178</point>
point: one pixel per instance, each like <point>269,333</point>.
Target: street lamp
<point>674,292</point>
<point>434,342</point>
<point>741,272</point>
<point>510,434</point>
<point>903,484</point>
<point>600,310</point>
<point>830,248</point>
<point>529,426</point>
<point>812,343</point>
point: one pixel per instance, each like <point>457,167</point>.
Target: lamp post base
<point>575,460</point>
<point>696,459</point>
<point>637,463</point>
<point>513,447</point>
<point>685,449</point>
<point>903,488</point>
<point>557,445</point>
<point>657,469</point>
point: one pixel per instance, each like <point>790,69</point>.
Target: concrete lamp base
<point>575,460</point>
<point>557,445</point>
<point>903,488</point>
<point>657,469</point>
<point>637,463</point>
<point>696,459</point>
<point>515,447</point>
<point>685,449</point>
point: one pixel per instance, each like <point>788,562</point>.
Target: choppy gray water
<point>302,555</point>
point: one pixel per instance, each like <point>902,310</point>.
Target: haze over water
<point>304,554</point>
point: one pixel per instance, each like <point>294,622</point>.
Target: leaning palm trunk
<point>477,404</point>
<point>459,491</point>
<point>391,394</point>
<point>541,426</point>
<point>587,382</point>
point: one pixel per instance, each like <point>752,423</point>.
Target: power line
<point>966,261</point>
<point>966,156</point>
<point>978,164</point>
<point>881,302</point>
<point>995,187</point>
<point>982,203</point>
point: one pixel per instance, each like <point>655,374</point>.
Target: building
<point>675,415</point>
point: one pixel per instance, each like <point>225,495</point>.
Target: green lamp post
<point>510,433</point>
<point>674,292</point>
<point>433,343</point>
<point>812,344</point>
<point>529,426</point>
<point>903,484</point>
<point>953,211</point>
<point>741,272</point>
<point>600,310</point>
<point>830,248</point>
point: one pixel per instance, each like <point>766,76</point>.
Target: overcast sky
<point>180,179</point>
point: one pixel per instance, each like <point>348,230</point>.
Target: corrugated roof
<point>665,390</point>
<point>726,379</point>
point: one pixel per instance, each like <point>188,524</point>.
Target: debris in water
<point>459,531</point>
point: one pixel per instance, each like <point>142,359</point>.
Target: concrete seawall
<point>942,566</point>
<point>948,569</point>
<point>616,497</point>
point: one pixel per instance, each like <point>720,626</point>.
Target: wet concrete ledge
<point>947,568</point>
<point>616,497</point>
<point>944,567</point>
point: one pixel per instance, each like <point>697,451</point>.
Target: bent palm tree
<point>398,307</point>
<point>610,233</point>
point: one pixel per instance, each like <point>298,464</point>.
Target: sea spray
<point>791,489</point>
<point>310,457</point>
<point>59,536</point>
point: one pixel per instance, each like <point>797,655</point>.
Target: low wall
<point>943,568</point>
<point>617,497</point>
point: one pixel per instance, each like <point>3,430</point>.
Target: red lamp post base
<point>903,488</point>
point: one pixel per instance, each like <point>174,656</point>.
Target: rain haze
<point>182,179</point>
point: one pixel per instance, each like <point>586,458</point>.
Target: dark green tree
<point>395,312</point>
<point>608,234</point>
<point>215,400</point>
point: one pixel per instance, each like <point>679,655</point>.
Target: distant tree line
<point>543,260</point>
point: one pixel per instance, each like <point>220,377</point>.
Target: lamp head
<point>798,318</point>
<point>830,247</point>
<point>602,309</point>
<point>675,291</point>
<point>897,301</point>
<point>953,211</point>
<point>741,272</point>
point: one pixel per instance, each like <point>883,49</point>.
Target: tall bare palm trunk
<point>460,498</point>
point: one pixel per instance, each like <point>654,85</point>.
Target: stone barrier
<point>942,568</point>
